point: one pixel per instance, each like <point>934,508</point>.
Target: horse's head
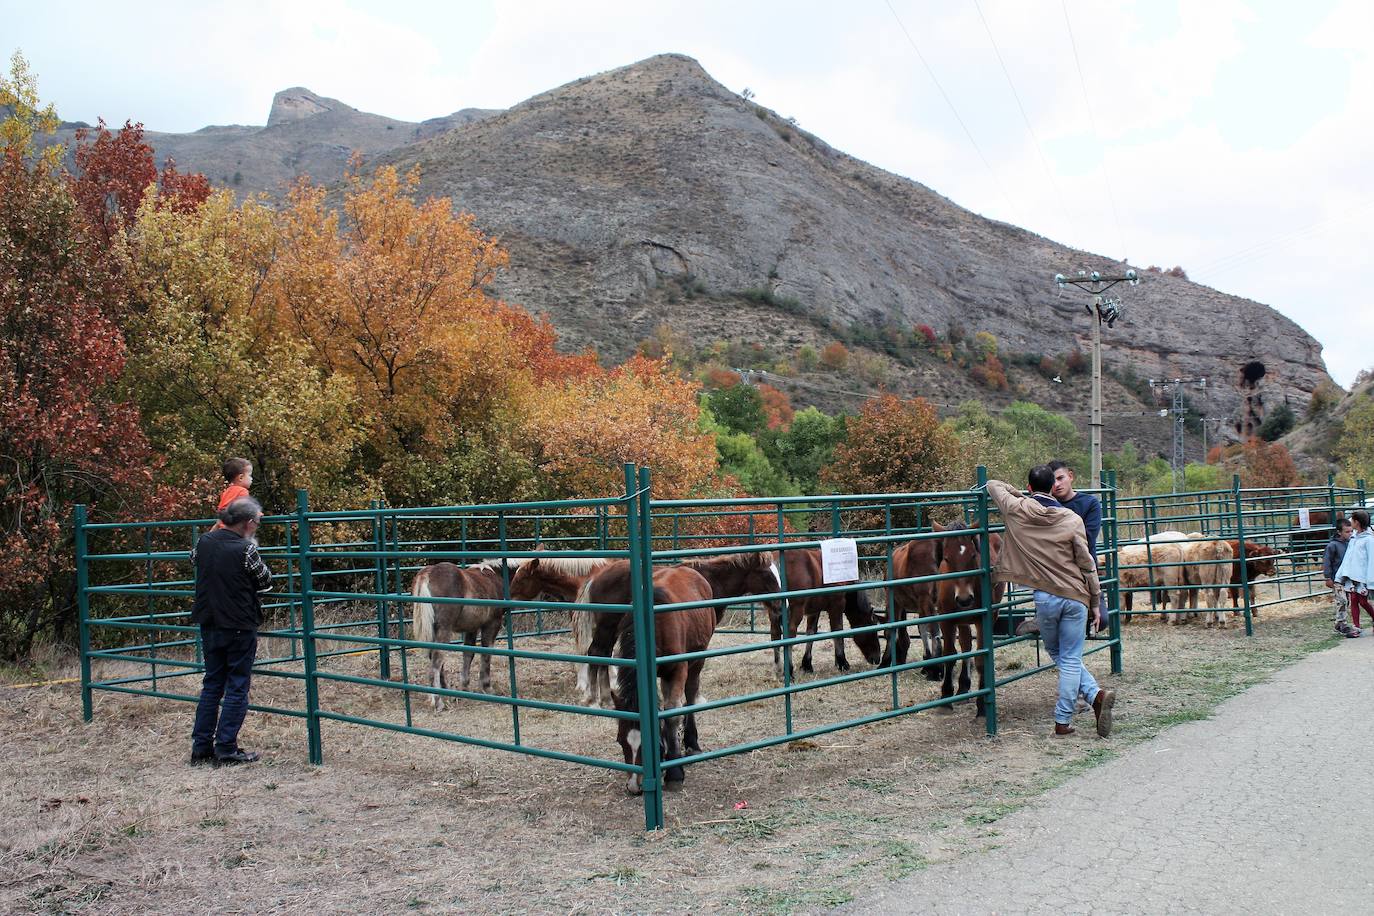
<point>960,554</point>
<point>526,584</point>
<point>858,610</point>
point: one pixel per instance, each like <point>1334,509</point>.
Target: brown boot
<point>1102,708</point>
<point>1062,731</point>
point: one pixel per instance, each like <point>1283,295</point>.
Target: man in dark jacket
<point>1331,561</point>
<point>229,578</point>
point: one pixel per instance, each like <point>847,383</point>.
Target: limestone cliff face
<point>612,187</point>
<point>618,192</point>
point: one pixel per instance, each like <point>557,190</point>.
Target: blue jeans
<point>1063,624</point>
<point>228,658</point>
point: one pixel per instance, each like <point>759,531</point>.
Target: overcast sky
<point>1232,137</point>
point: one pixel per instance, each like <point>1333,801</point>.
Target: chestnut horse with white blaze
<point>962,554</point>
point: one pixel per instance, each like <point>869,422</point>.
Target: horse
<point>438,623</point>
<point>676,632</point>
<point>961,554</point>
<point>803,569</point>
<point>729,575</point>
<point>1258,562</point>
<point>563,577</point>
<point>910,560</point>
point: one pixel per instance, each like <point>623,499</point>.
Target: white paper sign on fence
<point>1304,518</point>
<point>839,560</point>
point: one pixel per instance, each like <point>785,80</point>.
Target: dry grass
<point>108,818</point>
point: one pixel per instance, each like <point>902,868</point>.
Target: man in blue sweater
<point>1085,506</point>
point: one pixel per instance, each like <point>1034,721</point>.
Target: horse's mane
<point>572,566</point>
<point>752,560</point>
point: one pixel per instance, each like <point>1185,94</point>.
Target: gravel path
<point>1263,808</point>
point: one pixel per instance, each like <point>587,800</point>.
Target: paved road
<point>1268,807</point>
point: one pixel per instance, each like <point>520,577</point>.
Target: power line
<point>967,133</point>
<point>1260,249</point>
<point>1044,162</point>
<point>1092,123</point>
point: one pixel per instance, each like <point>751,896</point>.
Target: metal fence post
<point>83,608</point>
<point>1113,573</point>
<point>379,581</point>
<point>312,696</point>
<point>1240,554</point>
<point>988,639</point>
<point>642,613</point>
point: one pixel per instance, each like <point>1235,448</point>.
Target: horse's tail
<point>583,622</point>
<point>422,624</point>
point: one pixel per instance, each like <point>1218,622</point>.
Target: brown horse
<point>728,575</point>
<point>438,622</point>
<point>564,578</point>
<point>1258,562</point>
<point>909,560</point>
<point>803,570</point>
<point>675,632</point>
<point>961,554</point>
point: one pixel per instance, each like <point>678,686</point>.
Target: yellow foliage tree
<point>585,428</point>
<point>216,375</point>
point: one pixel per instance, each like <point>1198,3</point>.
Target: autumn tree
<point>65,435</point>
<point>898,446</point>
<point>114,170</point>
<point>586,428</point>
<point>1267,464</point>
<point>214,371</point>
<point>1355,450</point>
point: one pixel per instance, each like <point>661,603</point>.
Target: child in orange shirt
<point>238,473</point>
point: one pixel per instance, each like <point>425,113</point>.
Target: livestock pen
<point>338,654</point>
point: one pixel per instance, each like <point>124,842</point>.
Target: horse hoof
<point>843,666</point>
<point>945,710</point>
<point>806,668</point>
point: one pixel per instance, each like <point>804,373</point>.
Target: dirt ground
<point>109,818</point>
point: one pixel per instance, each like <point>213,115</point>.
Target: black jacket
<point>1335,553</point>
<point>229,577</point>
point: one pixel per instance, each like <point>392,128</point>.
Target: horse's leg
<point>965,633</point>
<point>775,633</point>
<point>436,664</point>
<point>583,624</point>
<point>836,624</point>
<point>469,639</point>
<point>691,693</point>
<point>488,640</point>
<point>980,705</point>
<point>898,642</point>
<point>948,637</point>
<point>673,684</point>
<point>813,626</point>
<point>1129,598</point>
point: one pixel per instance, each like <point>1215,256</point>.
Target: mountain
<point>305,134</point>
<point>617,191</point>
<point>651,195</point>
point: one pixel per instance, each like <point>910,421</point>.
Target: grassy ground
<point>107,817</point>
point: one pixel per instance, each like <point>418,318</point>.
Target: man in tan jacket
<point>1046,550</point>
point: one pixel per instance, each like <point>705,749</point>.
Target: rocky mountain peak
<point>297,104</point>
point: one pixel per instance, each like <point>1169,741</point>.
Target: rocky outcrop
<point>616,187</point>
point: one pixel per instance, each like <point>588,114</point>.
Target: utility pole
<point>1102,309</point>
<point>1205,421</point>
<point>1179,410</point>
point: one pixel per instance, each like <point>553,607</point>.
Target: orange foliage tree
<point>777,407</point>
<point>1267,464</point>
<point>898,446</point>
<point>585,428</point>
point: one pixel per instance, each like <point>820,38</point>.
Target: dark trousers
<point>228,658</point>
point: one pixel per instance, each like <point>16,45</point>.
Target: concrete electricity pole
<point>1102,309</point>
